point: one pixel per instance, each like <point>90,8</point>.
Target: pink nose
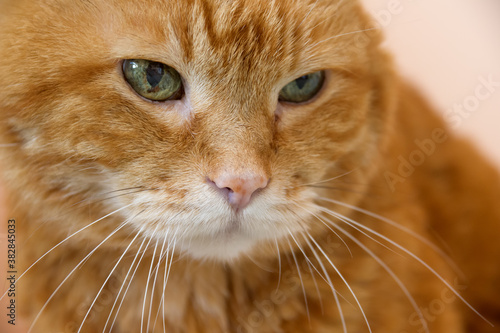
<point>239,189</point>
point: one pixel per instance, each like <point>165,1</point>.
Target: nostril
<point>224,191</point>
<point>239,189</point>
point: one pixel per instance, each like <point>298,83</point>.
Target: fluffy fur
<point>346,236</point>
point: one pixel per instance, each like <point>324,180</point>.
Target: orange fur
<point>82,144</point>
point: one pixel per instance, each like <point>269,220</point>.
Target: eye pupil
<point>154,74</point>
<point>301,81</point>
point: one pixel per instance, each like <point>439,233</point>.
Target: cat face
<point>224,164</point>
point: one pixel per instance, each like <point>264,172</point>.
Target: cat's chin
<point>226,248</point>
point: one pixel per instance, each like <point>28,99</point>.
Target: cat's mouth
<point>208,227</point>
<point>228,244</point>
<point>232,228</point>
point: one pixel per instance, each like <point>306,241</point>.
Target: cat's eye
<point>303,89</point>
<point>153,80</point>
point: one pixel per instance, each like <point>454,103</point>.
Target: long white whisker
<point>107,279</point>
<point>414,256</point>
<point>147,286</point>
<point>279,263</point>
<point>165,283</point>
<point>161,305</point>
<point>387,269</point>
<point>154,283</point>
<point>71,273</point>
<point>123,283</point>
<point>344,34</point>
<point>310,10</point>
<point>402,228</point>
<point>309,264</point>
<point>333,231</point>
<point>327,180</point>
<point>344,280</point>
<point>165,278</point>
<point>163,294</point>
<point>334,291</point>
<point>63,241</point>
<point>301,281</point>
<point>327,211</point>
<point>130,282</point>
<point>166,273</point>
<point>123,193</point>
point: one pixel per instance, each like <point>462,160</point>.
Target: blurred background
<point>447,48</point>
<point>444,47</point>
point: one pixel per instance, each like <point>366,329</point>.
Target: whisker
<point>316,287</point>
<point>70,274</point>
<point>154,282</point>
<point>340,189</point>
<point>63,241</point>
<point>279,263</point>
<point>309,264</point>
<point>334,290</point>
<point>301,281</point>
<point>327,211</point>
<point>130,282</point>
<point>165,280</point>
<point>344,280</point>
<point>166,256</point>
<point>161,305</point>
<point>334,232</point>
<point>307,15</point>
<point>147,286</point>
<point>411,254</point>
<point>133,190</point>
<point>344,34</point>
<point>266,269</point>
<point>328,180</point>
<point>127,189</point>
<point>107,279</point>
<point>308,260</point>
<point>166,273</point>
<point>388,270</point>
<point>402,228</point>
<point>123,283</point>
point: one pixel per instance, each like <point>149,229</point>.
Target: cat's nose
<point>239,189</point>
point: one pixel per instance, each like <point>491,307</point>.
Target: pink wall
<point>444,46</point>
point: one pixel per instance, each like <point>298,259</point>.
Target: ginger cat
<point>234,166</point>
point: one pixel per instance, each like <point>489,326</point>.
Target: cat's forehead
<point>257,35</point>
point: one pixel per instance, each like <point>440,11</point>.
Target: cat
<point>234,166</point>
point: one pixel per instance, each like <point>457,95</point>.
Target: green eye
<point>153,80</point>
<point>303,89</point>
